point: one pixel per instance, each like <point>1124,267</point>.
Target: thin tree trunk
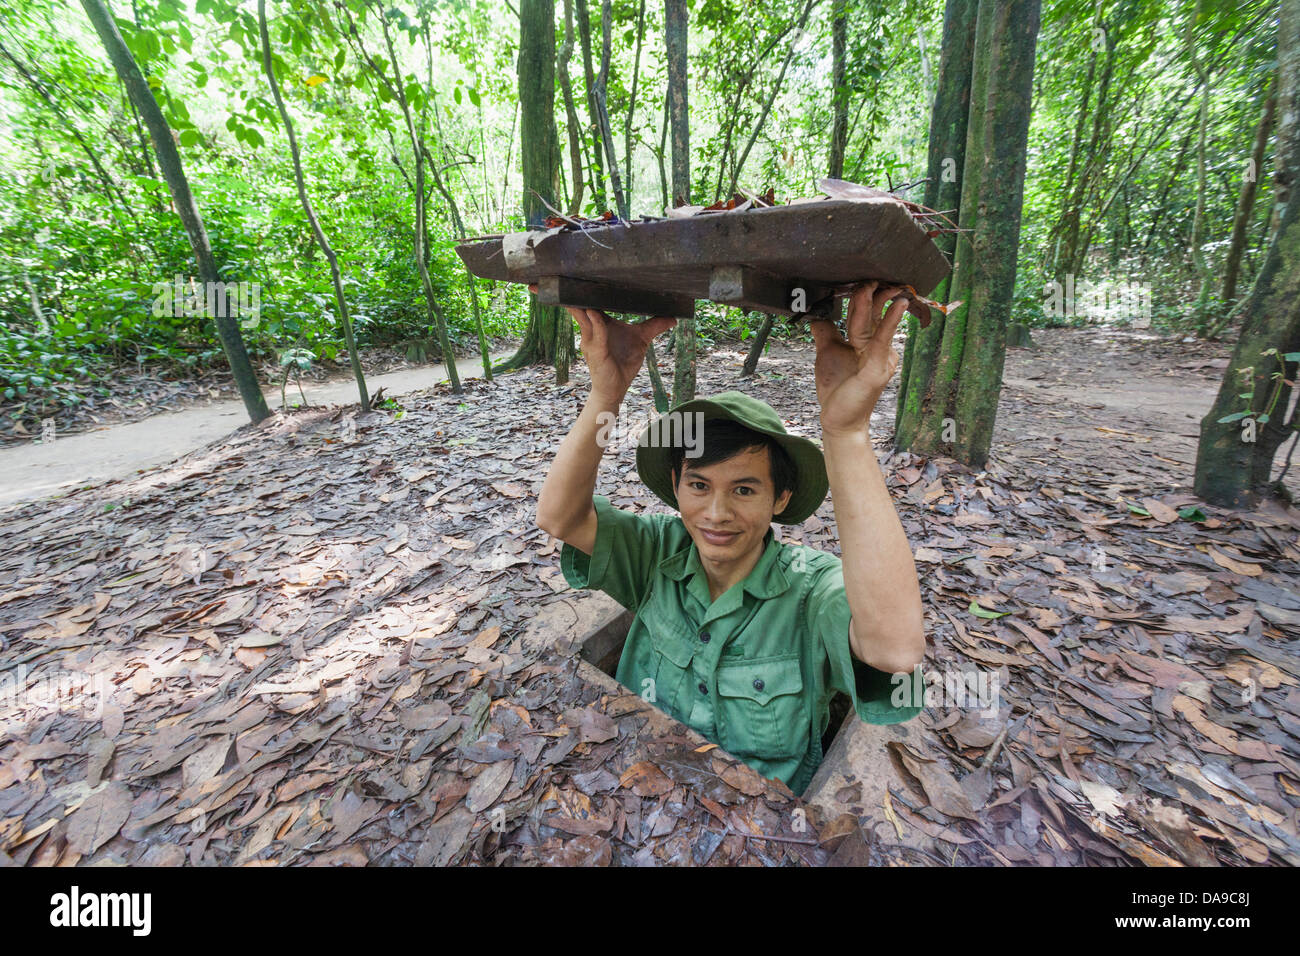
<point>675,28</point>
<point>631,106</point>
<point>1246,200</point>
<point>598,161</point>
<point>602,115</point>
<point>42,326</point>
<point>571,112</point>
<point>1070,260</point>
<point>445,190</point>
<point>1200,311</point>
<point>1174,170</point>
<point>339,298</point>
<point>839,92</point>
<point>437,319</point>
<point>756,347</point>
<point>169,163</point>
<point>1234,459</point>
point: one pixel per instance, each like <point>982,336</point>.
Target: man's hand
<point>851,374</point>
<point>614,350</point>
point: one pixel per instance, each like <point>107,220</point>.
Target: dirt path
<point>1077,382</point>
<point>34,471</point>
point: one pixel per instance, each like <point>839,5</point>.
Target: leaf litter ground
<point>303,645</point>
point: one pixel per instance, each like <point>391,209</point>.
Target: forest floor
<point>139,393</point>
<point>141,434</point>
<point>301,643</point>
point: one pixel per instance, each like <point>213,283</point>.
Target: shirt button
<point>704,688</point>
<point>758,683</point>
<point>705,637</point>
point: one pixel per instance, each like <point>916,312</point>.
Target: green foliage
<point>97,243</point>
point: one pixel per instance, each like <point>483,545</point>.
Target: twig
<point>577,225</point>
<point>777,839</point>
<point>993,751</point>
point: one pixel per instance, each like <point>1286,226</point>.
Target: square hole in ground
<point>603,648</point>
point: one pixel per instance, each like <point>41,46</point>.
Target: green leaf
<point>1233,417</point>
<point>1263,419</point>
<point>1292,356</point>
<point>456,95</point>
<point>986,615</point>
<point>189,137</point>
<point>473,96</point>
<point>1191,513</point>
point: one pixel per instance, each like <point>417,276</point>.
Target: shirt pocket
<point>761,708</point>
<point>671,667</point>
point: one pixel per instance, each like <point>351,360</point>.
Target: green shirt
<point>753,671</point>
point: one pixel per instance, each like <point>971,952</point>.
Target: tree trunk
<point>1286,163</point>
<point>169,162</point>
<point>340,300</point>
<point>589,73</point>
<point>839,92</point>
<point>1234,458</point>
<point>1246,200</point>
<point>1073,253</point>
<point>675,23</point>
<point>631,105</point>
<point>602,116</point>
<point>452,206</point>
<point>953,412</point>
<point>549,337</point>
<point>437,319</point>
<point>756,347</point>
<point>949,119</point>
<point>1201,309</point>
<point>571,112</point>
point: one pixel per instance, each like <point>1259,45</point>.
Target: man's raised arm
<point>886,630</point>
<point>614,352</point>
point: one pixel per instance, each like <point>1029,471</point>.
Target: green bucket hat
<point>654,451</point>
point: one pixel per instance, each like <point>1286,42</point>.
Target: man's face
<point>728,506</point>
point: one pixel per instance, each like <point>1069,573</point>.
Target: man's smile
<point>720,538</point>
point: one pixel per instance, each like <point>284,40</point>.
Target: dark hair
<point>724,439</point>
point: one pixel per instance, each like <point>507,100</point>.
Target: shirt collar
<point>767,579</point>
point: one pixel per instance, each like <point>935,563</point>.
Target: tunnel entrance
<point>603,648</point>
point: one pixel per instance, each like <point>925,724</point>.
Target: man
<point>737,635</point>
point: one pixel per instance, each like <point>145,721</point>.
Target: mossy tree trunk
<point>1234,459</point>
<point>952,388</point>
<point>549,338</point>
<point>1246,199</point>
<point>947,155</point>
